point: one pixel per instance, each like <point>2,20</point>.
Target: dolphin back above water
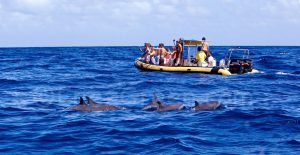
<point>211,105</point>
<point>155,105</point>
<point>169,107</point>
<point>93,106</point>
<point>152,105</point>
<point>81,106</point>
<point>101,106</point>
<point>159,106</point>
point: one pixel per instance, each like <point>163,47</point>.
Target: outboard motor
<point>240,66</point>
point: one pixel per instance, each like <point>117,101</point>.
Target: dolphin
<point>152,105</point>
<point>169,107</point>
<point>159,106</point>
<point>211,105</point>
<point>100,106</point>
<point>81,106</point>
<point>93,106</point>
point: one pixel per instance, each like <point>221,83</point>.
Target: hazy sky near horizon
<point>133,22</point>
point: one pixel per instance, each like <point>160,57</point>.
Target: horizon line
<point>70,46</point>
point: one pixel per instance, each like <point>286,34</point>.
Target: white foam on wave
<point>284,53</point>
<point>283,73</point>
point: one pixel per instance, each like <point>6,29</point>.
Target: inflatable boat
<point>208,70</point>
<point>235,61</point>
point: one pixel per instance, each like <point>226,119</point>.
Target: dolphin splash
<point>93,106</point>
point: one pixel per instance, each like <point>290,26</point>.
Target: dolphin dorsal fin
<point>196,103</point>
<point>159,104</point>
<point>154,98</point>
<point>81,101</point>
<point>90,101</point>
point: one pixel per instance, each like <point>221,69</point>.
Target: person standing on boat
<point>211,62</point>
<point>179,52</point>
<point>205,45</point>
<point>205,48</point>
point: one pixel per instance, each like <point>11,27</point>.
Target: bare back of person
<point>205,47</point>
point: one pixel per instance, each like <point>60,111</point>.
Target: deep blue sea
<point>261,114</point>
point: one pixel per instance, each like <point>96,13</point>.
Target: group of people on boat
<point>161,55</point>
<point>165,57</point>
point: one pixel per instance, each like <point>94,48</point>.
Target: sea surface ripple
<point>261,114</point>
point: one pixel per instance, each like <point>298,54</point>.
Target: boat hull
<point>207,70</point>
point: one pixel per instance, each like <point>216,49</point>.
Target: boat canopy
<point>190,46</point>
<point>192,42</point>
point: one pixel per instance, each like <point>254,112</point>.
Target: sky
<point>30,23</point>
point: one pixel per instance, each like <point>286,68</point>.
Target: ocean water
<point>261,114</point>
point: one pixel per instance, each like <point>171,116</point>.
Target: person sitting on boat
<point>211,61</point>
<point>156,54</point>
<point>200,58</point>
<point>162,52</point>
<point>146,51</point>
<point>168,57</point>
<point>152,56</point>
<point>173,56</point>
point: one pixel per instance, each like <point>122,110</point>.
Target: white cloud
<point>171,18</point>
<point>34,3</point>
<point>28,6</point>
<point>196,9</point>
<point>142,6</point>
<point>283,10</point>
